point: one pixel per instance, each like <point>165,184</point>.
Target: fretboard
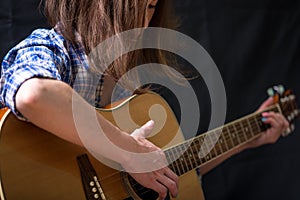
<point>205,147</point>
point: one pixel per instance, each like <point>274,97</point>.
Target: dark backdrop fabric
<point>255,44</point>
<point>17,19</point>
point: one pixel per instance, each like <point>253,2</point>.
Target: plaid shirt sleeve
<point>46,54</point>
<point>34,57</point>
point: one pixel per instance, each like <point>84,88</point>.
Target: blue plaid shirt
<point>46,54</point>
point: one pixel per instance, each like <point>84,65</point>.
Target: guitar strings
<point>241,135</point>
<point>255,125</point>
<point>144,190</point>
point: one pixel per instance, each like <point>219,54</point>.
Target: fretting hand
<point>278,125</point>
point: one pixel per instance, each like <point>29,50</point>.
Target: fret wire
<point>200,152</point>
<point>171,160</point>
<point>182,158</point>
<point>220,141</point>
<point>175,156</point>
<point>257,119</point>
<point>253,126</point>
<point>184,150</point>
<point>262,126</point>
<point>219,148</point>
<point>229,136</point>
<point>173,150</point>
<point>207,156</point>
<point>226,138</point>
<point>254,118</point>
<point>215,141</point>
<point>198,146</point>
<point>195,151</point>
<point>195,162</point>
<point>223,141</point>
<point>189,153</point>
<point>250,128</point>
<point>246,129</point>
<point>206,142</point>
<point>168,157</point>
<point>178,161</point>
<point>239,132</point>
<point>258,122</point>
<point>210,148</point>
<point>233,135</point>
<point>226,133</point>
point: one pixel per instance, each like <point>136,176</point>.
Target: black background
<point>255,44</point>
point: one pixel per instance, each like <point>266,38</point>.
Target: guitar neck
<point>199,150</point>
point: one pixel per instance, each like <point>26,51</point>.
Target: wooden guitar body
<point>37,165</point>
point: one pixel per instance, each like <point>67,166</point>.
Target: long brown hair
<point>97,20</point>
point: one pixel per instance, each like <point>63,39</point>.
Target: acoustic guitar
<point>36,165</point>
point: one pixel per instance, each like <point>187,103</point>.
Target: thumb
<point>144,131</point>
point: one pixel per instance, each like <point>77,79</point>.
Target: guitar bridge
<point>91,185</point>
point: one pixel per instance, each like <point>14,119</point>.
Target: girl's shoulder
<point>43,37</point>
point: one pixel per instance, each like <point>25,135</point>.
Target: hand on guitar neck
<point>277,124</point>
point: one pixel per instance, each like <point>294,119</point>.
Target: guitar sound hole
<point>142,192</point>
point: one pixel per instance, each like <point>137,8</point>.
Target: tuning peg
<point>279,89</point>
<point>270,92</point>
<point>288,92</point>
<point>288,131</point>
<point>292,127</point>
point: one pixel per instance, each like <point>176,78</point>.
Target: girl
<point>39,73</point>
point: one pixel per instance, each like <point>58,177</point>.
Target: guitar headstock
<point>288,104</point>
